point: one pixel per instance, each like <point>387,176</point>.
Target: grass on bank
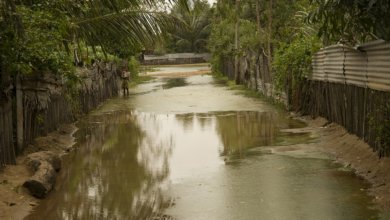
<point>139,80</point>
<point>246,92</point>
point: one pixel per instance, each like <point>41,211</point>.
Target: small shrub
<point>134,67</point>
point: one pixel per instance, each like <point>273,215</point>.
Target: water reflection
<point>135,165</point>
<point>115,174</point>
<point>240,131</point>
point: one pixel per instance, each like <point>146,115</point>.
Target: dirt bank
<point>351,151</point>
<point>16,202</point>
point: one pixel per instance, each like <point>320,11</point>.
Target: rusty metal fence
<point>366,66</point>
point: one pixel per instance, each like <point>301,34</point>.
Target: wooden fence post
<point>19,116</point>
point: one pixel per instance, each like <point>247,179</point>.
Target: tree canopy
<point>43,35</point>
<point>352,21</point>
<point>191,31</point>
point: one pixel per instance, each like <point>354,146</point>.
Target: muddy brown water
<point>199,151</point>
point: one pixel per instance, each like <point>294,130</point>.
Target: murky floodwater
<point>198,151</point>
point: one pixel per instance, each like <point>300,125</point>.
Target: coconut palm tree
<point>193,29</point>
<point>34,34</point>
<point>93,22</point>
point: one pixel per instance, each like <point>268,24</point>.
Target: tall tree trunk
<point>236,44</point>
<point>259,32</point>
<point>269,47</point>
<point>258,18</point>
<point>15,18</point>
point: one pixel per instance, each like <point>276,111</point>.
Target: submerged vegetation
<point>174,82</point>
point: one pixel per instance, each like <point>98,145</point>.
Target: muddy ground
<point>351,151</point>
<point>15,200</point>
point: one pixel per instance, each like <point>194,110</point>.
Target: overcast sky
<point>211,1</point>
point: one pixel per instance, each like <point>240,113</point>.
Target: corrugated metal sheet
<point>334,64</point>
<point>318,66</point>
<point>366,66</point>
<point>355,67</point>
<point>378,67</point>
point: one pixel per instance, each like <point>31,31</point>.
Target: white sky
<point>211,1</point>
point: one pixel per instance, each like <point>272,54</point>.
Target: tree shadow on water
<point>111,176</point>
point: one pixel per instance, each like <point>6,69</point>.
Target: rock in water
<point>45,165</point>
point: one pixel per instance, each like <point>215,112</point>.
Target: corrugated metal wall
<point>378,66</point>
<point>367,66</point>
<point>351,86</point>
<point>318,66</point>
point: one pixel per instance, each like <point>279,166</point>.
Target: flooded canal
<point>190,149</point>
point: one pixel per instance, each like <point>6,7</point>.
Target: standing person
<point>125,82</point>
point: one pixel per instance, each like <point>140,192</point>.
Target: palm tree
<point>193,29</point>
<point>34,34</point>
<point>97,22</point>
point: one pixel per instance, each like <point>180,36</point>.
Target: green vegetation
<point>351,22</point>
<point>266,28</point>
<point>245,91</point>
<point>133,67</point>
<point>45,36</point>
<point>140,79</point>
<point>191,30</point>
<point>381,126</point>
<point>283,35</point>
<point>274,41</point>
<point>293,61</point>
<point>174,82</point>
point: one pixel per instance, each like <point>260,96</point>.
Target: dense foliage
<point>39,47</point>
<point>191,30</point>
<point>352,21</point>
<point>274,29</point>
<point>287,33</point>
<point>46,36</point>
<point>293,61</point>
